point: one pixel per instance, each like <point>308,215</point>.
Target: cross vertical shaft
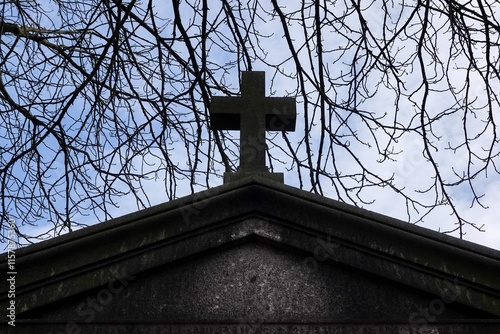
<point>253,124</point>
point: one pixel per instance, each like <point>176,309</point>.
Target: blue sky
<point>411,169</point>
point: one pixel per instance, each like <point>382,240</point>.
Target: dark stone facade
<point>256,257</point>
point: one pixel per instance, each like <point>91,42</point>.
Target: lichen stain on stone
<point>268,234</point>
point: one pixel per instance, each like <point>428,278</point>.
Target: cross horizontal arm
<point>280,112</point>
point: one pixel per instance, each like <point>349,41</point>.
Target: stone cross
<point>253,114</point>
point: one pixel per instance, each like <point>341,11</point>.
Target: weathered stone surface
<point>257,257</point>
<point>149,328</point>
<point>252,282</point>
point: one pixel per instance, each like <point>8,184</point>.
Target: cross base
<point>230,176</point>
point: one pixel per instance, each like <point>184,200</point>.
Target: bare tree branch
<point>100,100</point>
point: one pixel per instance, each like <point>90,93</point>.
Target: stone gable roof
<point>319,231</point>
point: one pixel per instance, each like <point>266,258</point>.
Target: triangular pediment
<point>253,280</point>
<point>254,249</point>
